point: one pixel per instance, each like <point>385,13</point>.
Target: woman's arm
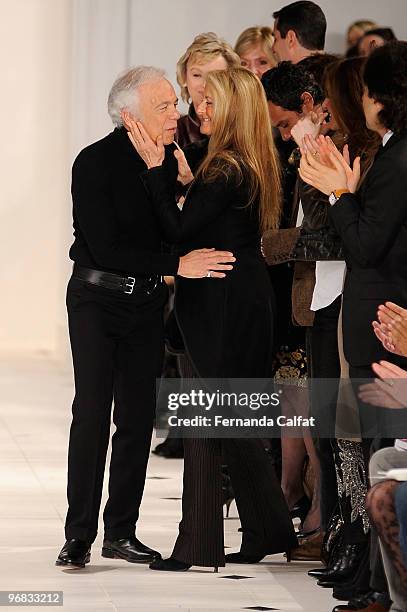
<point>203,203</point>
<point>369,225</point>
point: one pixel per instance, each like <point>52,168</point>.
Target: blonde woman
<point>227,323</point>
<point>255,49</point>
<point>357,29</point>
<point>207,52</point>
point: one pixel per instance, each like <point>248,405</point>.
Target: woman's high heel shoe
<point>303,535</point>
<point>288,556</point>
<point>169,565</point>
<point>227,503</point>
<point>239,557</point>
<point>301,508</point>
<point>172,565</point>
<point>227,492</point>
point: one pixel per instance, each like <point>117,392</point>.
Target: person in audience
<point>292,93</point>
<point>386,505</point>
<point>228,330</point>
<point>344,90</point>
<point>376,37</point>
<point>255,49</point>
<point>391,327</point>
<point>299,31</point>
<point>356,30</point>
<point>371,220</point>
<point>206,52</point>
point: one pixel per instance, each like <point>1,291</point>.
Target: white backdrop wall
<point>111,35</point>
<point>58,59</point>
<point>35,69</point>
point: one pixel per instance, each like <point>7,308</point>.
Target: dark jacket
<point>115,227</point>
<point>188,129</point>
<point>373,228</point>
<point>226,324</point>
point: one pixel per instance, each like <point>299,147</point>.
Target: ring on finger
<point>209,274</point>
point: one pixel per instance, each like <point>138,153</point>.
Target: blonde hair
<point>254,36</point>
<point>204,48</point>
<point>242,140</point>
<point>362,24</point>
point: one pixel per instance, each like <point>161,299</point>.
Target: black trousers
<point>324,363</point>
<point>264,515</point>
<point>117,350</point>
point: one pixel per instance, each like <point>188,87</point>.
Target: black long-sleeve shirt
<point>115,227</point>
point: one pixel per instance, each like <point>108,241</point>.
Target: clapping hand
<point>151,152</point>
<point>389,390</point>
<point>325,168</point>
<point>391,328</point>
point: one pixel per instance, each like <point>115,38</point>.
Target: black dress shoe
<point>129,549</point>
<point>239,557</point>
<point>171,448</point>
<point>359,603</point>
<point>345,567</point>
<point>169,565</point>
<point>318,572</point>
<point>74,554</point>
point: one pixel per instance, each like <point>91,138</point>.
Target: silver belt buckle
<point>129,285</point>
<point>157,280</point>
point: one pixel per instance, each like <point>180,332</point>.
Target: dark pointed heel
<point>288,555</point>
<point>301,509</point>
<point>215,570</point>
<point>227,504</point>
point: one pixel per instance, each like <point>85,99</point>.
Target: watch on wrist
<point>336,194</point>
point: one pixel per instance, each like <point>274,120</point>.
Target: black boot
<point>347,564</point>
<point>320,572</point>
<point>74,554</point>
<point>358,583</point>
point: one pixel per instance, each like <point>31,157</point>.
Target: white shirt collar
<point>387,137</point>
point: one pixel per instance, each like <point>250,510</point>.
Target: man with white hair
<point>115,302</point>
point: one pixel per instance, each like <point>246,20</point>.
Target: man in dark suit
<point>371,219</point>
<point>372,222</point>
<point>115,302</point>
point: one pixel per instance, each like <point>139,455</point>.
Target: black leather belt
<point>125,284</point>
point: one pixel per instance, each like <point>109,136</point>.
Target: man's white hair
<point>124,94</point>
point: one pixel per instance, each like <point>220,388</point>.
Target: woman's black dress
<point>227,327</point>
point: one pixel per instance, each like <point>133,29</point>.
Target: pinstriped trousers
<point>264,515</point>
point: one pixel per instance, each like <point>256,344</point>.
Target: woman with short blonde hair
<point>207,52</point>
<point>226,323</point>
<point>255,49</point>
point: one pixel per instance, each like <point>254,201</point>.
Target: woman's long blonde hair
<point>242,138</point>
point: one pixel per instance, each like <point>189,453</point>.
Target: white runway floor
<point>35,399</point>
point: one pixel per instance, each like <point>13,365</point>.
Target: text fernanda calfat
<point>221,421</point>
